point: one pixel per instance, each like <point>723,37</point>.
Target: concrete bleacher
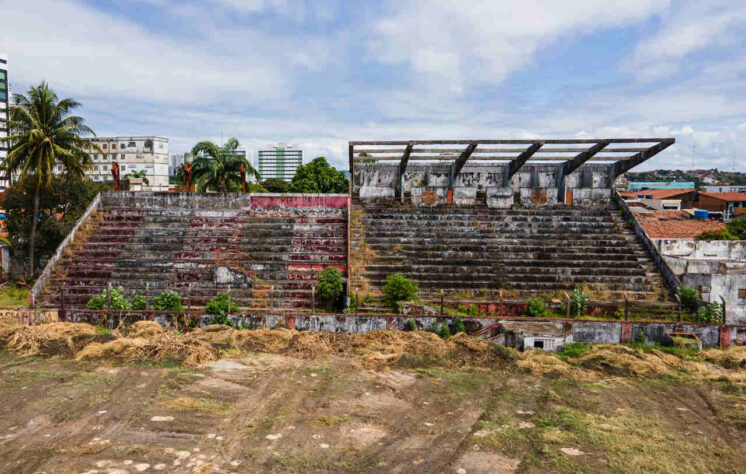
<point>483,253</point>
<point>267,249</point>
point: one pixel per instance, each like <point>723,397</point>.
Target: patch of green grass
<point>102,330</point>
<point>677,351</point>
<point>14,296</point>
<point>574,349</point>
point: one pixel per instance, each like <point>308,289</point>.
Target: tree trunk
<point>32,237</point>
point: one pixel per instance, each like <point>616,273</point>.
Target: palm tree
<point>218,168</point>
<point>44,133</point>
<point>139,174</point>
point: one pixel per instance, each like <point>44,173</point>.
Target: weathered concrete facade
<point>266,249</point>
<point>534,185</point>
<point>717,269</point>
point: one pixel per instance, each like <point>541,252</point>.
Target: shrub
<point>458,325</point>
<point>220,318</point>
<point>412,326</point>
<point>640,338</point>
<point>97,302</point>
<point>575,349</point>
<point>578,302</point>
<point>400,288</point>
<point>219,305</point>
<point>688,297</point>
<point>167,301</point>
<point>118,301</point>
<point>330,286</point>
<point>711,313</point>
<point>536,308</point>
<point>735,230</point>
<point>139,303</point>
<point>444,332</point>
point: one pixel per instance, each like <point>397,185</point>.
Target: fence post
<point>567,306</point>
<point>147,293</point>
<point>441,302</point>
<point>229,299</point>
<point>313,299</point>
<point>108,300</point>
<point>626,307</point>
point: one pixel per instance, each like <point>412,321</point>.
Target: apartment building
<point>133,154</point>
<point>4,103</point>
<point>281,161</point>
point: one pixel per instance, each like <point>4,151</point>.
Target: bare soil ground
<point>336,407</point>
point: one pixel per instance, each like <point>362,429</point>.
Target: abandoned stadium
<point>481,226</point>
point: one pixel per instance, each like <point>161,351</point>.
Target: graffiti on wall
<point>30,316</point>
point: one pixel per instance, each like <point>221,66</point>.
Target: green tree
<point>218,168</point>
<point>276,185</point>
<point>399,288</point>
<point>44,133</point>
<point>688,297</point>
<point>60,207</point>
<point>330,286</point>
<point>318,177</point>
<point>167,301</point>
<point>138,174</point>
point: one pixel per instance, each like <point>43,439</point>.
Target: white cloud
<point>78,48</point>
<point>691,27</point>
<point>453,42</point>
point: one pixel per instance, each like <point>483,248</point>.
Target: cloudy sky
<point>320,73</point>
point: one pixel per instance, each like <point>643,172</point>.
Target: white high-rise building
<point>4,104</point>
<point>134,154</point>
<point>281,161</point>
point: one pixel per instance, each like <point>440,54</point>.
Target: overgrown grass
<point>14,296</point>
<point>575,349</point>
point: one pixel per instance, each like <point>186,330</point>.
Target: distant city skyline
<point>319,74</point>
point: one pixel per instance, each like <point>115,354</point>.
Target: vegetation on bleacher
<point>330,288</point>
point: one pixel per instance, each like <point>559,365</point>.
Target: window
<point>121,156</point>
<point>2,75</point>
<point>124,167</point>
<point>104,147</point>
<point>3,96</point>
<point>121,145</point>
<point>742,292</point>
<point>131,145</point>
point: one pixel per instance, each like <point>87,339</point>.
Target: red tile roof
<point>675,225</point>
<point>657,193</point>
<point>729,197</point>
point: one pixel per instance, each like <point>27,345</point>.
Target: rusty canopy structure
<point>622,154</point>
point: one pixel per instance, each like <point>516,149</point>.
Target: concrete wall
<point>690,248</point>
<point>533,185</point>
<point>586,331</point>
<point>717,269</point>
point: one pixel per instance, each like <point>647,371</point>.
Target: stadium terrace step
<point>521,251</point>
<point>276,255</point>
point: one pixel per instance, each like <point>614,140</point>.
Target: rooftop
<point>657,193</point>
<point>730,197</point>
<point>675,225</point>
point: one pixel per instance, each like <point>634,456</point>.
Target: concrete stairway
<point>272,256</point>
<point>483,253</point>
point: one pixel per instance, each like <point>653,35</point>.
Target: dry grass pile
<point>50,340</point>
<point>731,358</point>
<point>141,329</point>
<point>263,340</point>
<point>625,361</point>
<point>544,364</point>
<point>160,347</point>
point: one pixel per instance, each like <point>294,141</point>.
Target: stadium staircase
<point>276,255</point>
<point>488,254</point>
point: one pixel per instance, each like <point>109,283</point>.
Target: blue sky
<point>320,73</point>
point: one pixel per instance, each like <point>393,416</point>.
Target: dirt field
<point>474,408</point>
